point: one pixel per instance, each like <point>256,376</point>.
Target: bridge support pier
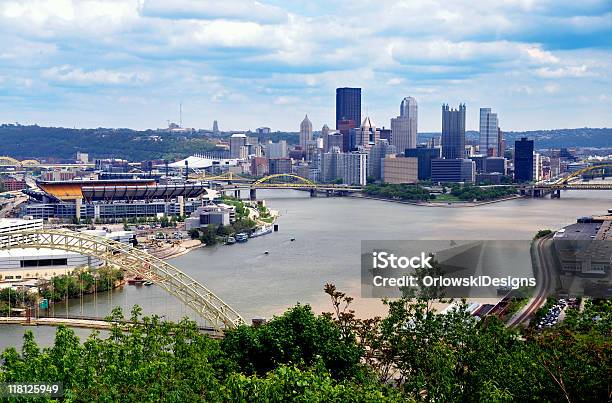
<point>555,194</point>
<point>313,192</point>
<point>253,194</point>
<point>328,193</point>
<point>237,193</point>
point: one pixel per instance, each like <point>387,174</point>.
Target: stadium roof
<point>165,192</point>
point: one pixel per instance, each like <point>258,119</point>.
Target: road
<point>544,277</point>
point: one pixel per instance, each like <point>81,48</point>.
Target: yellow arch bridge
<point>134,261</point>
<point>13,163</point>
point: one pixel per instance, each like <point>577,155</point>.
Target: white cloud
<point>563,72</point>
<point>77,76</point>
<point>243,10</point>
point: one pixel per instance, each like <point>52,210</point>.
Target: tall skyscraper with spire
<point>404,127</point>
<point>489,133</point>
<point>305,132</point>
<point>453,132</point>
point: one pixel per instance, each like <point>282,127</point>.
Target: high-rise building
<point>366,135</point>
<point>453,132</point>
<point>276,150</point>
<point>489,133</point>
<point>351,168</point>
<point>537,167</point>
<point>377,153</point>
<point>279,166</point>
<point>333,139</point>
<point>348,105</point>
<point>424,156</point>
<point>237,141</point>
<point>404,127</point>
<point>215,127</point>
<point>345,127</point>
<point>397,170</point>
<point>501,143</point>
<point>453,170</point>
<point>305,132</point>
<point>523,160</point>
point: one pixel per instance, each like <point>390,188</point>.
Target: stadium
<point>112,199</point>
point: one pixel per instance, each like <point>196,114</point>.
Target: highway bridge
<point>231,182</point>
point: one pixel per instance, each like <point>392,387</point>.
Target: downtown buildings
<point>404,127</point>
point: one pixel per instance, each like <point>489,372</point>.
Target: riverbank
<point>453,204</point>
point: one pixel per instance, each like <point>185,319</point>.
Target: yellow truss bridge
<point>12,162</point>
<point>136,262</point>
<point>565,182</point>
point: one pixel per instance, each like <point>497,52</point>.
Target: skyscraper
<point>305,132</point>
<point>523,160</point>
<point>215,127</point>
<point>376,154</point>
<point>453,132</point>
<point>489,132</point>
<point>367,135</point>
<point>237,141</point>
<point>348,105</point>
<point>404,127</point>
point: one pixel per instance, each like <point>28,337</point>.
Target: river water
<point>327,232</point>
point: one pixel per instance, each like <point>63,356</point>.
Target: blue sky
<point>129,63</point>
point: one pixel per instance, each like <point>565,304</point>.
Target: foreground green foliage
<point>413,354</point>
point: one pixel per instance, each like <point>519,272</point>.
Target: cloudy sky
<point>129,63</point>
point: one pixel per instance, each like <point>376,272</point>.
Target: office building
<point>280,166</point>
<point>346,128</point>
<point>348,105</point>
<point>82,157</point>
<point>495,165</point>
<point>523,160</point>
<point>385,134</point>
<point>215,127</point>
<point>537,167</point>
<point>501,143</point>
<point>263,130</point>
<point>397,170</point>
<point>259,166</point>
<point>276,150</point>
<point>479,162</point>
<point>424,155</point>
<point>350,168</point>
<point>377,153</point>
<point>404,127</point>
<point>453,132</point>
<point>366,135</point>
<point>453,170</point>
<point>489,133</point>
<point>305,132</point>
<point>237,141</point>
<point>333,139</point>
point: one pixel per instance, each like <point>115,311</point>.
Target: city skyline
<point>539,64</point>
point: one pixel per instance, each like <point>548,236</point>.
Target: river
<point>327,232</point>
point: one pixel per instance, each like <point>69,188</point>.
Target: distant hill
<point>556,138</point>
<point>59,143</point>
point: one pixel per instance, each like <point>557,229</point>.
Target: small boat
<point>292,239</point>
<point>242,237</point>
<point>266,252</point>
<point>136,281</point>
<point>230,240</point>
<point>262,231</point>
<point>148,283</point>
